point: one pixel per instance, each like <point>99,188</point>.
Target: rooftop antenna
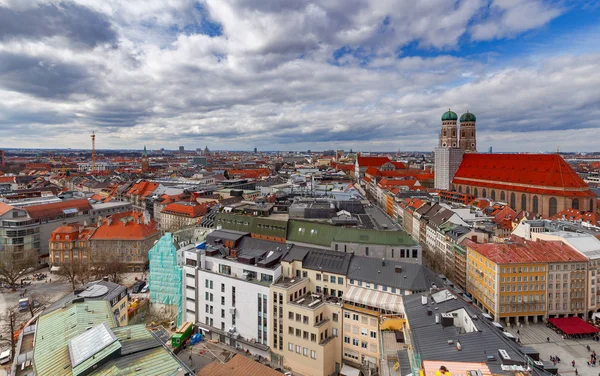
<point>93,136</point>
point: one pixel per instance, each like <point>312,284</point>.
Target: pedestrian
<point>547,339</point>
<point>576,372</point>
<point>518,332</point>
<point>573,363</point>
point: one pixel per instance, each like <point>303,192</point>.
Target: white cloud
<point>509,17</point>
<point>268,81</point>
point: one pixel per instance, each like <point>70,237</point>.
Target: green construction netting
<point>165,277</point>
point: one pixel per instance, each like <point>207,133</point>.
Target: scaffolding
<point>165,277</point>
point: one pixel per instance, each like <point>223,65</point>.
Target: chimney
<point>108,221</point>
<point>398,269</point>
<point>383,261</point>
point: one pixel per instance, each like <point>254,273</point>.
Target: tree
<point>226,174</point>
<point>37,302</point>
<point>76,273</point>
<point>8,327</point>
<point>109,265</point>
<point>14,266</point>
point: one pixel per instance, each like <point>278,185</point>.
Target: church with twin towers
<point>453,144</point>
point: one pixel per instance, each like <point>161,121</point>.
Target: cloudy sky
<point>299,74</point>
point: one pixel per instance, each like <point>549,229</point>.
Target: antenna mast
<point>93,136</point>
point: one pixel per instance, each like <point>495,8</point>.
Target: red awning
<point>573,325</point>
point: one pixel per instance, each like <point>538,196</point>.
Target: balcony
<point>321,323</point>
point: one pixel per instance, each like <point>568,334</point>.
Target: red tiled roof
<point>75,231</point>
<point>506,213</point>
<point>532,173</point>
<point>386,183</point>
<point>239,365</point>
<point>372,161</point>
<point>250,173</point>
<point>4,208</point>
<point>125,226</point>
<point>191,211</point>
<point>399,164</point>
<point>577,215</point>
<point>7,179</point>
<point>57,208</point>
<point>518,250</point>
<point>143,188</point>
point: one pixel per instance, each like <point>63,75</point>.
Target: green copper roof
<point>466,117</point>
<point>449,115</point>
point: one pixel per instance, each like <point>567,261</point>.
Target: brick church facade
<point>542,184</point>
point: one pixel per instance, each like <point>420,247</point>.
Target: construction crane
<point>93,136</point>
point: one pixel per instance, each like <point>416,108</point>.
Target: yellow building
<point>307,310</point>
<point>508,280</point>
<point>306,328</point>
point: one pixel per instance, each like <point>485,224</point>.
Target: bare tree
<point>14,266</point>
<point>108,265</point>
<point>8,327</point>
<point>75,273</point>
<point>38,302</point>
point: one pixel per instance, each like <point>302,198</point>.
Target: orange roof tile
<point>57,208</point>
<point>577,215</point>
<point>143,188</point>
<point>239,365</point>
<point>125,226</point>
<point>518,250</point>
<point>7,179</point>
<point>75,231</point>
<point>372,161</point>
<point>532,173</point>
<point>190,210</point>
<point>4,208</point>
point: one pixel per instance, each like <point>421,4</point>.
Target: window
<point>305,274</point>
<point>523,201</point>
<point>290,346</point>
<point>340,281</point>
<point>332,279</point>
<point>298,333</point>
<point>493,195</point>
<point>364,331</point>
<point>346,339</point>
<point>475,192</point>
<point>502,196</point>
<point>347,314</point>
<point>298,349</point>
<point>575,204</point>
<point>335,317</point>
<point>318,277</point>
<point>552,207</point>
<point>222,287</point>
<point>373,334</point>
<point>535,208</point>
<point>305,351</point>
<point>290,330</point>
<point>484,193</point>
<point>222,300</point>
<point>354,317</point>
<point>354,342</point>
<point>313,337</point>
<point>222,313</point>
<point>313,354</point>
<point>513,201</point>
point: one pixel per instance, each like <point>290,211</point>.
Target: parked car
<point>144,289</point>
<point>5,356</point>
<point>138,286</point>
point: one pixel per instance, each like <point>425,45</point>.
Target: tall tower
<point>448,155</point>
<point>145,164</point>
<point>468,141</point>
<point>449,135</point>
<point>93,136</point>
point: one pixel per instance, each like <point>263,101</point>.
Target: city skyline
<point>297,76</point>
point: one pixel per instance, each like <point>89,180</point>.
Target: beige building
<point>305,328</point>
<point>307,310</point>
<point>126,236</point>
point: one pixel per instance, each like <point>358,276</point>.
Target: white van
<point>5,356</point>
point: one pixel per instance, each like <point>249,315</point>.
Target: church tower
<point>145,163</point>
<point>449,135</point>
<point>447,155</point>
<point>468,141</point>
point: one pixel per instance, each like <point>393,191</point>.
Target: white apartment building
<point>226,289</point>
